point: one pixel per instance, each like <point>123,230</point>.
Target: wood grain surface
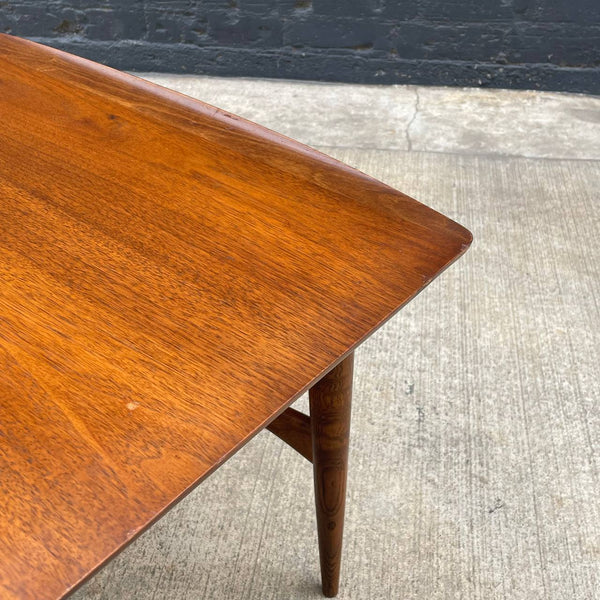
<point>171,278</point>
<point>330,404</point>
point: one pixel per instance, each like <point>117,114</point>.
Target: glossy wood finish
<point>172,277</point>
<point>294,428</point>
<point>330,402</point>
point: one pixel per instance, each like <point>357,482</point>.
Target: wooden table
<point>172,278</point>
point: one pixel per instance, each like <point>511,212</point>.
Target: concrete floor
<point>476,422</point>
<point>425,119</point>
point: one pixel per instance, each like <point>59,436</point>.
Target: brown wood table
<point>172,278</point>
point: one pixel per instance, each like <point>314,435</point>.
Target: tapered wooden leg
<point>330,401</point>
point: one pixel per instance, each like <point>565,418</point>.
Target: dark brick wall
<point>539,44</point>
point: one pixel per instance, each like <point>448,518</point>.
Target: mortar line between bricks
<point>307,63</point>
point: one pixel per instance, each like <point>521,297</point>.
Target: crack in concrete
<point>412,119</point>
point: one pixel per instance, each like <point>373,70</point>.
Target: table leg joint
<point>293,427</point>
